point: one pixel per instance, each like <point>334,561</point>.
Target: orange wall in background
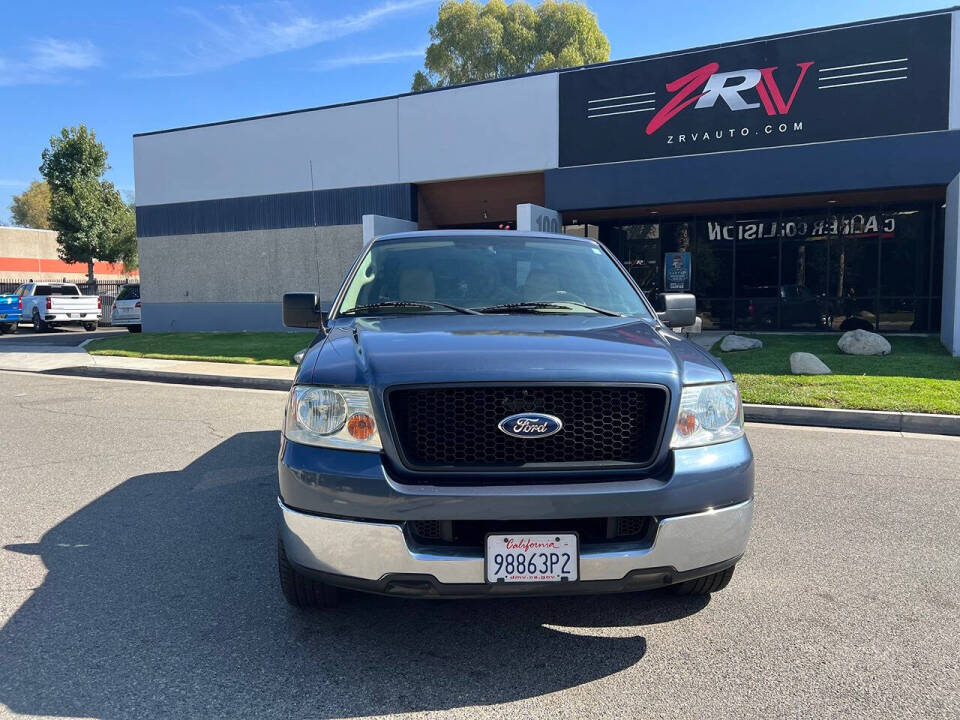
<point>42,265</point>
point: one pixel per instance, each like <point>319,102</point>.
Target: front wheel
<point>299,590</point>
<point>706,584</point>
<point>90,327</point>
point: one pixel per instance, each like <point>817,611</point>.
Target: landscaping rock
<point>732,343</point>
<point>804,363</point>
<point>863,342</point>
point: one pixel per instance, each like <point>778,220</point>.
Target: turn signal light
<point>686,423</point>
<point>361,426</point>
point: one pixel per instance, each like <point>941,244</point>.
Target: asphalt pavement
<point>137,579</point>
<point>66,336</point>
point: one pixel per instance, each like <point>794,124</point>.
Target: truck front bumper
<point>381,557</point>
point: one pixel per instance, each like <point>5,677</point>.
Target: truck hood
<point>440,348</point>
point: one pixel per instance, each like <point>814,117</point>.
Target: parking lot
<point>137,579</point>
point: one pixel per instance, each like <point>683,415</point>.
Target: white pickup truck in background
<point>49,304</point>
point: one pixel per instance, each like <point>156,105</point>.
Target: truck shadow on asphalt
<point>161,599</point>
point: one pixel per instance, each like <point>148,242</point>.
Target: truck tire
<point>134,328</point>
<point>90,327</point>
<point>706,584</point>
<point>8,328</point>
<point>299,590</point>
<point>39,326</point>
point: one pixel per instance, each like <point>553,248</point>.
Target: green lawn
<point>256,348</point>
<point>918,376</point>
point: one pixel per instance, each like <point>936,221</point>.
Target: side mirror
<point>679,310</point>
<point>302,310</point>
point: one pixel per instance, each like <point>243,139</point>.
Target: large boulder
<point>804,363</point>
<point>863,342</point>
<point>732,343</point>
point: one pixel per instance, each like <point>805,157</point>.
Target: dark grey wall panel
<point>201,317</point>
<point>876,163</point>
<point>341,206</point>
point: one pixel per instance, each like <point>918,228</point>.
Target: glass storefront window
<point>905,250</point>
<point>757,279</point>
<point>638,247</point>
<point>803,273</point>
<point>835,269</point>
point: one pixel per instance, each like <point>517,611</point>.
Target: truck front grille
<point>455,427</point>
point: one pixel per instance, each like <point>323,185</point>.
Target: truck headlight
<point>708,414</point>
<point>331,417</point>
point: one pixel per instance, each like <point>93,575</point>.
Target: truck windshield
<point>491,274</point>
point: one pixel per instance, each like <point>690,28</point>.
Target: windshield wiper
<point>534,306</point>
<point>423,304</point>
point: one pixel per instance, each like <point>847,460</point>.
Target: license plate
<point>527,558</point>
<point>73,315</point>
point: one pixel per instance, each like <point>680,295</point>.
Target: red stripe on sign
<point>45,265</point>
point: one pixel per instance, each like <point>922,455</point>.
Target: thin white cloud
<point>50,54</point>
<point>5,182</point>
<point>372,59</point>
<point>233,34</point>
<point>49,60</point>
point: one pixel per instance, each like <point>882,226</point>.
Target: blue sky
<point>124,67</point>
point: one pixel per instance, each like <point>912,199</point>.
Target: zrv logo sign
<point>862,81</point>
<point>727,86</point>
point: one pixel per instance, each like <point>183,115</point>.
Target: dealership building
<point>804,181</point>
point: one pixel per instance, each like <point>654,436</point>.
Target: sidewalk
<point>76,361</point>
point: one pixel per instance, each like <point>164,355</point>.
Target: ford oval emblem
<point>530,425</point>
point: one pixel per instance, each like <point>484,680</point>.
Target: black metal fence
<point>106,289</point>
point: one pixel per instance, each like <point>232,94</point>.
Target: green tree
<point>471,42</point>
<point>91,219</point>
<point>31,208</point>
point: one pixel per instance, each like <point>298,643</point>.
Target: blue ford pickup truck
<point>492,413</point>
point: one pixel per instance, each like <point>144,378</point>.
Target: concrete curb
<point>775,414</point>
<point>854,419</point>
<point>178,378</point>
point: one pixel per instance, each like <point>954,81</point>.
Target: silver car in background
<point>126,309</point>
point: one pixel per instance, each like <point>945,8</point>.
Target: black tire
<point>706,584</point>
<point>39,326</point>
<point>134,328</point>
<point>90,327</point>
<point>8,328</point>
<point>301,591</point>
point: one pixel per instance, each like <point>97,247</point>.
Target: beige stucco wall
<point>27,243</point>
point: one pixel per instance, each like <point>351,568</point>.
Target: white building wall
<point>950,313</point>
<point>487,129</point>
<point>490,129</point>
<point>350,145</point>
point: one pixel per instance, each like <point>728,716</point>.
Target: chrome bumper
<point>371,551</point>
